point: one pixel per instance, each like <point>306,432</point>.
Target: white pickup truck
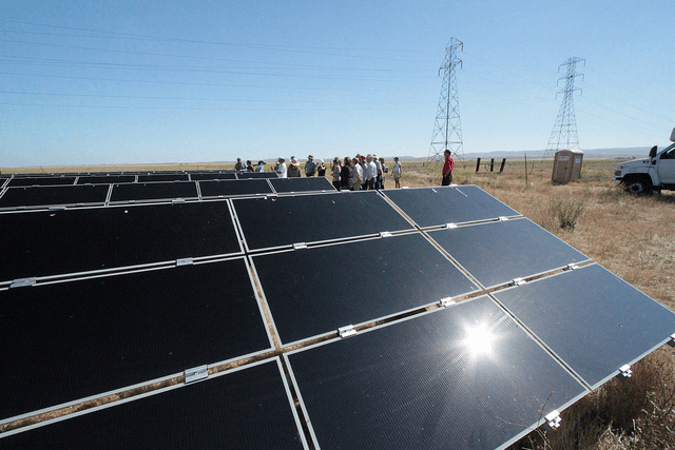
<point>642,176</point>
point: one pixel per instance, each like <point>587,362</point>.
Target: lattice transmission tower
<point>565,129</point>
<point>447,133</point>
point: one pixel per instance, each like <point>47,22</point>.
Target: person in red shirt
<point>448,167</point>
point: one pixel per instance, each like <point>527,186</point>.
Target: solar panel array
<point>415,318</point>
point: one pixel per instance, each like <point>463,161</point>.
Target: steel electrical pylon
<point>447,133</point>
<point>565,129</point>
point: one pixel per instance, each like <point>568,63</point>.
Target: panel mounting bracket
<point>671,342</point>
<point>553,419</point>
<point>571,266</point>
<point>196,373</point>
<point>518,282</point>
<point>503,218</point>
<point>300,246</point>
<point>178,200</point>
<point>447,302</point>
<point>346,331</point>
<point>23,282</point>
<point>450,225</point>
<point>385,234</point>
<point>625,371</point>
<point>184,262</point>
<point>56,208</point>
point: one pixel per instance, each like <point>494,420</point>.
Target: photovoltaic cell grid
<point>434,378</point>
<point>247,409</point>
<point>42,181</point>
<point>307,184</point>
<point>430,207</point>
<point>393,275</point>
<point>153,191</point>
<point>54,195</point>
<point>231,188</point>
<point>67,241</point>
<point>499,252</point>
<point>464,377</point>
<point>68,341</point>
<point>313,218</point>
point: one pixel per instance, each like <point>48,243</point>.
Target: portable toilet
<point>567,166</point>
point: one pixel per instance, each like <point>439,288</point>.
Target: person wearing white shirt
<point>281,168</point>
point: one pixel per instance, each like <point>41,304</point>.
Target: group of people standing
<point>293,170</point>
<point>363,173</point>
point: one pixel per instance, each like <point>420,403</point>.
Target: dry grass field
<point>630,236</point>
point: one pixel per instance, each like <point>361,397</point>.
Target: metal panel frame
<point>164,199</point>
<point>550,350</point>
<point>493,222</point>
<point>375,319</point>
<point>314,243</point>
<point>275,359</point>
<point>163,378</point>
<point>236,195</point>
<point>49,205</point>
<point>525,331</point>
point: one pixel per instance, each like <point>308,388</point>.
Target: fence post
<point>478,165</point>
<point>501,169</point>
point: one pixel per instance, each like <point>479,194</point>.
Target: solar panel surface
<point>246,175</point>
<point>42,181</point>
<point>163,177</point>
<point>594,321</point>
<point>464,377</point>
<point>306,184</point>
<point>68,341</point>
<point>213,176</point>
<point>106,179</point>
<point>440,205</point>
<point>247,409</point>
<point>498,252</point>
<point>311,218</point>
<point>77,240</point>
<point>53,195</point>
<point>318,290</point>
<point>230,188</point>
<point>153,191</point>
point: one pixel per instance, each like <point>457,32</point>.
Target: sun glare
<point>478,341</point>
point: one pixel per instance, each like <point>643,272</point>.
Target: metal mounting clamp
<point>447,302</point>
<point>299,246</point>
<point>518,282</point>
<point>196,373</point>
<point>346,331</point>
<point>503,218</point>
<point>23,282</point>
<point>571,266</point>
<point>625,371</point>
<point>451,225</point>
<point>184,262</point>
<point>385,234</point>
<point>553,419</point>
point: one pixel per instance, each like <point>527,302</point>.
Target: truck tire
<point>638,186</point>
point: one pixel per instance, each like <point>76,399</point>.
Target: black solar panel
<point>441,205</point>
<point>246,409</point>
<point>53,195</point>
<point>464,377</point>
<point>68,341</point>
<point>230,188</point>
<point>106,179</point>
<point>312,218</point>
<point>307,184</point>
<point>318,290</point>
<point>594,321</point>
<point>77,240</point>
<point>213,176</point>
<point>153,191</point>
<point>246,175</point>
<point>163,177</point>
<point>42,181</point>
<point>498,252</point>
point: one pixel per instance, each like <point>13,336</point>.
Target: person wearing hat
<point>294,168</point>
<point>321,169</point>
<point>310,166</point>
<point>260,167</point>
<point>281,168</point>
<point>448,167</point>
<point>372,172</point>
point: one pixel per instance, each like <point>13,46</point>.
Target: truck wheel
<point>638,187</point>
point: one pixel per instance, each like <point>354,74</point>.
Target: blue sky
<point>96,82</point>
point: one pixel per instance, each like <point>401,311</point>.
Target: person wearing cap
<point>281,170</point>
<point>310,166</point>
<point>448,167</point>
<point>336,169</point>
<point>260,167</point>
<point>321,169</point>
<point>294,168</point>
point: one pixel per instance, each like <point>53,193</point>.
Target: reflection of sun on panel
<point>478,341</point>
